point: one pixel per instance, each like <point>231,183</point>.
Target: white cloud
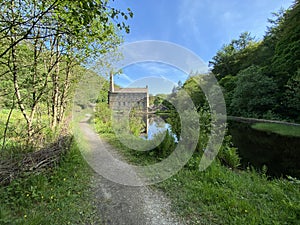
<point>187,16</point>
<point>125,77</point>
<point>198,14</point>
<point>156,69</point>
<point>156,85</point>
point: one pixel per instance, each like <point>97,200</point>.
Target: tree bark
<point>55,88</point>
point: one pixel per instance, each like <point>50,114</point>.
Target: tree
<point>192,87</point>
<point>57,37</point>
<point>254,93</point>
<point>277,56</point>
<point>287,50</point>
<point>292,97</point>
<point>227,60</point>
<point>229,84</point>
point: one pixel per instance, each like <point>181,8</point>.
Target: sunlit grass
<point>282,129</point>
<point>221,195</point>
<point>16,133</point>
<point>57,196</point>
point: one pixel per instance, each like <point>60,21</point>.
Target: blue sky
<point>202,26</point>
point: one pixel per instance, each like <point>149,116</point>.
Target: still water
<point>156,125</point>
<point>281,154</point>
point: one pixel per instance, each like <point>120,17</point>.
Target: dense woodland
<point>261,78</point>
<point>44,45</point>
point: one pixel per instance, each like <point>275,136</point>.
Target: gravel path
<point>120,204</point>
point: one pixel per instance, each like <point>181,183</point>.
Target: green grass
<point>16,135</point>
<point>58,196</point>
<point>17,125</point>
<point>282,129</point>
<point>220,195</point>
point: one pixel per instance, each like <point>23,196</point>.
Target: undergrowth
<point>222,194</point>
<point>57,196</point>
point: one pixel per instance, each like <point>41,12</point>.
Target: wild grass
<point>282,129</point>
<point>57,196</point>
<point>16,133</point>
<point>221,195</point>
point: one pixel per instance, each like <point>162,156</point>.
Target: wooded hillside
<point>261,78</point>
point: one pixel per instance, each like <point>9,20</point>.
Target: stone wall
<point>128,100</point>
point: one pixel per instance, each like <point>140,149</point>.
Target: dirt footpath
<point>120,204</point>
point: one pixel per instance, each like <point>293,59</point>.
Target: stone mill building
<point>121,99</point>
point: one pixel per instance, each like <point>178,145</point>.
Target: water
<point>281,154</point>
<point>156,125</point>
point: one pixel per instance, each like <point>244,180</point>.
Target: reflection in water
<point>257,148</point>
<point>155,125</point>
<point>141,131</point>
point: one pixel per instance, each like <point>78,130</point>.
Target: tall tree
<point>287,50</point>
<point>254,93</point>
<point>277,56</point>
<point>58,36</point>
<point>227,60</point>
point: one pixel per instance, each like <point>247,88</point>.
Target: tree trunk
<point>14,71</point>
<point>55,97</point>
<point>55,85</point>
<point>65,91</point>
<point>7,122</point>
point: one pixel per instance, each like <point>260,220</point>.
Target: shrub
<point>228,155</point>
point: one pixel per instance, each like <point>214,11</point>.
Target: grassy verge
<point>16,133</point>
<point>220,195</point>
<point>57,196</point>
<point>281,129</point>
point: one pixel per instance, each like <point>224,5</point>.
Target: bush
<point>166,147</point>
<point>254,93</point>
<point>228,155</point>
